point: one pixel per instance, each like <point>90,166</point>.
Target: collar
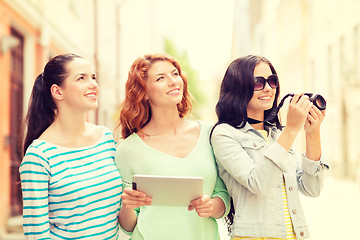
<point>270,127</point>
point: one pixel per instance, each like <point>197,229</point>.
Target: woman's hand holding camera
<point>302,113</point>
<point>314,120</point>
<point>312,130</point>
<point>299,108</point>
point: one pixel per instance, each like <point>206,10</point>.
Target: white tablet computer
<point>169,190</point>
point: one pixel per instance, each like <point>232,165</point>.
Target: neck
<point>69,125</point>
<point>163,121</point>
<point>258,126</point>
<point>257,116</point>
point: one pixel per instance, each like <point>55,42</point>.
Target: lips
<point>174,92</point>
<point>91,95</point>
<point>265,98</point>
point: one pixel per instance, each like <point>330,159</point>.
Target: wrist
<point>218,208</point>
<point>290,131</point>
<point>125,210</point>
<point>312,135</point>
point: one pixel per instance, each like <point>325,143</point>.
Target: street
<point>335,214</point>
<point>332,216</point>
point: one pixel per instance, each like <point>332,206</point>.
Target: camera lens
<point>319,102</point>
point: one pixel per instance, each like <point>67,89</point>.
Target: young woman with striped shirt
<point>262,173</point>
<point>71,187</point>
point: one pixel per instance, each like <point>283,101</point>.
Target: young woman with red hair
<point>160,141</point>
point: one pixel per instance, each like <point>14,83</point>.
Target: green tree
<point>190,72</point>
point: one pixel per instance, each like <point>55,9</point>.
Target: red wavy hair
<point>135,111</point>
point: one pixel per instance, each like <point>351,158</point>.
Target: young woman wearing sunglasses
<point>262,173</point>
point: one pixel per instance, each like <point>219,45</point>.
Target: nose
<point>171,81</point>
<point>267,86</point>
<point>94,84</point>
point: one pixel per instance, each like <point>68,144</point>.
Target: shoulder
<point>200,126</point>
<point>224,128</point>
<point>189,128</point>
<point>131,142</point>
<point>205,125</point>
<point>128,149</point>
<point>99,132</point>
<point>192,124</point>
<point>97,129</point>
<point>225,132</point>
<point>37,147</point>
<point>35,153</point>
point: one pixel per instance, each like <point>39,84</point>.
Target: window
<point>16,117</point>
<point>356,54</point>
<point>330,72</point>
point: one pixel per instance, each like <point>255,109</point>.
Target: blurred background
<point>314,46</point>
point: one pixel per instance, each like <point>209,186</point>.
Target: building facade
<point>32,32</point>
<point>314,45</point>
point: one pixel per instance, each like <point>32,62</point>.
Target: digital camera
<point>317,100</point>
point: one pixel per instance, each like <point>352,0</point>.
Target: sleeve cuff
<point>226,203</point>
<point>313,167</point>
<point>126,232</point>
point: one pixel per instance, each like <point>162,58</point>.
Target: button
<point>294,211</point>
<point>290,188</point>
<point>254,144</point>
<point>302,234</point>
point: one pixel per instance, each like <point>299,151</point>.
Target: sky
<point>203,28</point>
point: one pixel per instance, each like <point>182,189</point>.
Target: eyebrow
<point>85,74</point>
<point>160,74</point>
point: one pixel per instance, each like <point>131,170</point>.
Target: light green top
<point>133,156</point>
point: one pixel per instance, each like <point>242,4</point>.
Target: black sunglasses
<point>259,82</point>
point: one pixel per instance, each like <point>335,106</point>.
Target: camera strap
<point>318,101</point>
<point>273,113</point>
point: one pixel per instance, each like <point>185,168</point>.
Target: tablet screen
<point>169,190</point>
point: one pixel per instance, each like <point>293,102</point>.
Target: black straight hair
<point>41,109</point>
<point>237,89</point>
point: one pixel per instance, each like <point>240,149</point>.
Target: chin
<point>178,101</point>
<point>93,106</point>
<point>268,108</point>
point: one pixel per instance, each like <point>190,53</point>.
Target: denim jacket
<point>253,171</point>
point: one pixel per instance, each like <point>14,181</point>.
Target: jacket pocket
<point>252,144</point>
<point>253,148</point>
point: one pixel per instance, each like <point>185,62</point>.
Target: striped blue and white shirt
<point>71,193</point>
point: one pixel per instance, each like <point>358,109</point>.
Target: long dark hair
<point>237,89</point>
<point>41,110</point>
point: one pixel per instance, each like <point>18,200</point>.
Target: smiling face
<point>164,85</point>
<point>261,100</point>
<point>80,88</point>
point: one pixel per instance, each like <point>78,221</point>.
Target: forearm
<point>287,138</point>
<point>35,193</point>
<point>313,146</point>
<point>127,219</point>
<point>218,208</point>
